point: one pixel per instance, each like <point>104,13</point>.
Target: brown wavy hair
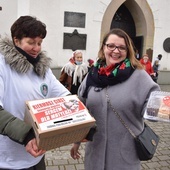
<point>129,44</point>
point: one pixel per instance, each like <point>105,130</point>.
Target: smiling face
<point>117,55</point>
<point>31,46</point>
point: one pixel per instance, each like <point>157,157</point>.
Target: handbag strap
<point>118,116</point>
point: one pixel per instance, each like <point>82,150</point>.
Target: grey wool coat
<point>113,147</point>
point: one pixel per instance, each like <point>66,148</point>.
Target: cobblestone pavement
<point>59,159</point>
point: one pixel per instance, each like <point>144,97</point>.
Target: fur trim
<point>79,71</point>
<point>69,68</point>
<point>19,63</point>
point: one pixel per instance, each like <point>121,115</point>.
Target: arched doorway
<point>124,20</point>
<point>141,17</point>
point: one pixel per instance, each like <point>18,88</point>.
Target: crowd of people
<point>25,74</point>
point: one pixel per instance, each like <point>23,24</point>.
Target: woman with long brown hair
<point>117,79</point>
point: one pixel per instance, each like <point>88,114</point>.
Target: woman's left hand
<point>75,154</point>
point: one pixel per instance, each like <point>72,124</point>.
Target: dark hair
<point>28,26</point>
<point>129,44</point>
<point>160,56</point>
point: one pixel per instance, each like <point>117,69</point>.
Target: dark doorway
<point>138,42</point>
<point>124,20</point>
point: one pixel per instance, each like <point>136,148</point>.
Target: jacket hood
<point>18,62</point>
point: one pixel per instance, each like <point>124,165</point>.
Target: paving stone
<point>61,167</point>
<point>155,159</point>
<point>52,168</point>
<point>163,163</point>
<point>73,161</point>
<point>60,162</point>
<point>49,163</point>
<point>80,167</point>
<point>165,168</point>
<point>164,157</point>
<point>165,152</point>
<point>70,167</point>
<point>144,166</point>
<point>153,165</point>
<point>81,161</point>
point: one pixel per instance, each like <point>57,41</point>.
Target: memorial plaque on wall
<point>74,41</point>
<point>74,19</point>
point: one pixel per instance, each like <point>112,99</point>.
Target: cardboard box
<point>58,121</point>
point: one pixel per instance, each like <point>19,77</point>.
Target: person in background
<point>156,66</point>
<point>73,73</point>
<point>91,63</point>
<point>137,54</point>
<point>147,65</point>
<point>25,74</point>
<point>120,76</point>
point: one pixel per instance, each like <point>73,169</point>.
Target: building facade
<point>79,24</point>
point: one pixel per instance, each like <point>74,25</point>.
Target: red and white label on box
<point>59,112</point>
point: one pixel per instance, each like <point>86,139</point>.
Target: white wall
<point>8,15</point>
<point>23,7</point>
<point>54,19</point>
<point>161,12</point>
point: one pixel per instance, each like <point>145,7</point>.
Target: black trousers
<point>39,166</point>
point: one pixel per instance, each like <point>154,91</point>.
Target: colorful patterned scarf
<point>101,75</point>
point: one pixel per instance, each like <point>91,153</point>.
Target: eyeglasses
<point>112,47</point>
